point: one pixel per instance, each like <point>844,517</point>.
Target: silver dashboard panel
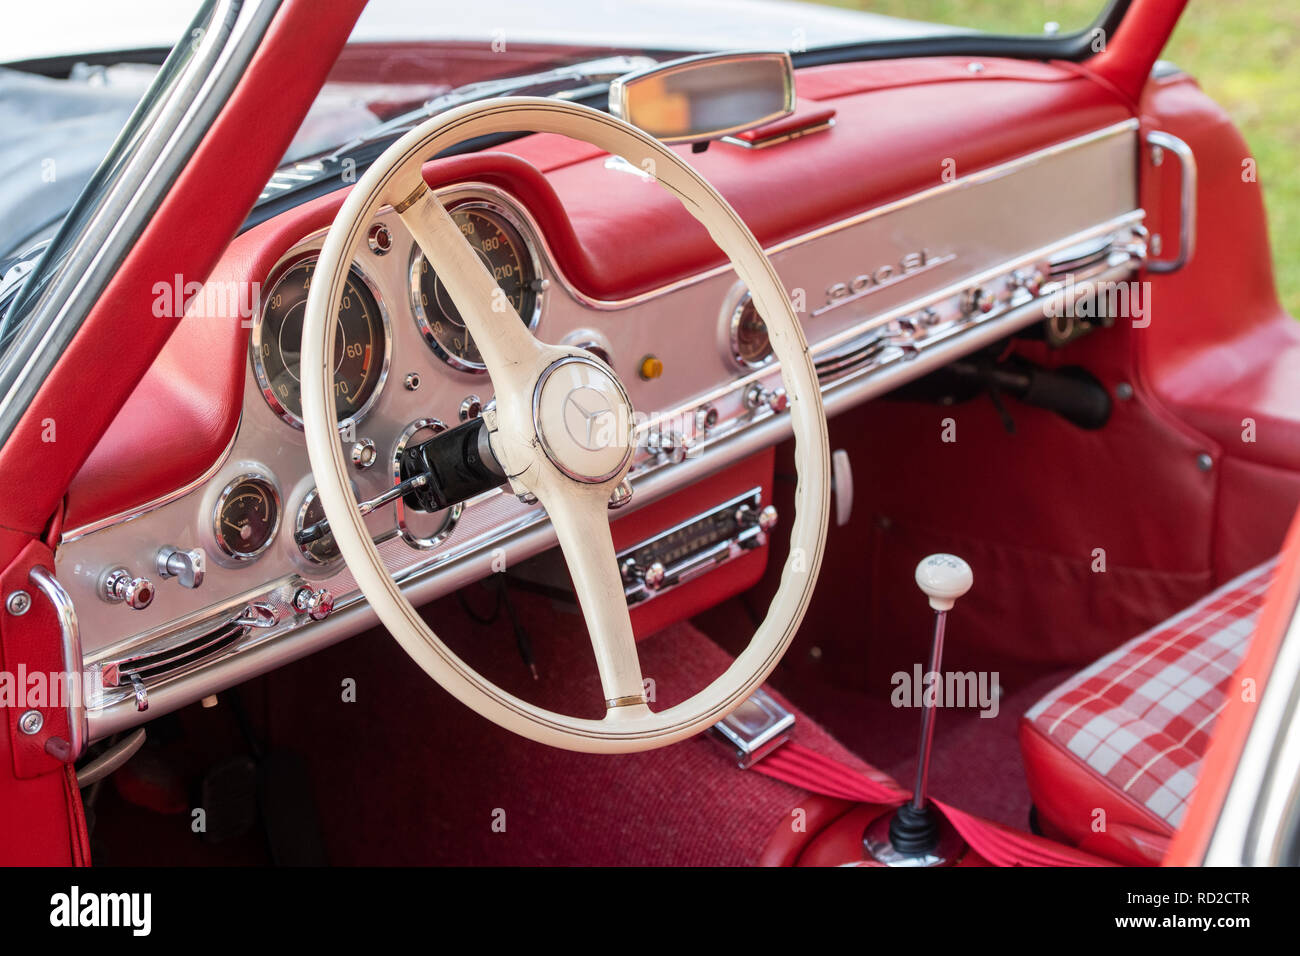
<point>862,274</point>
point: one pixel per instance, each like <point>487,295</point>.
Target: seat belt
<point>999,845</point>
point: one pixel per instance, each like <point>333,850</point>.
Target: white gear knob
<point>944,578</point>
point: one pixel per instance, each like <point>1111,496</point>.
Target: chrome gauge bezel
<point>274,494</point>
<point>420,543</point>
<point>733,336</point>
<point>531,243</point>
<point>304,550</point>
<point>255,342</point>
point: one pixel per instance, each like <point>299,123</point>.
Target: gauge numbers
<point>361,345</point>
<point>500,245</point>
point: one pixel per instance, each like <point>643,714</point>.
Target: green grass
<point>1244,53</point>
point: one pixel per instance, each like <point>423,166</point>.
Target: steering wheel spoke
<point>582,527</point>
<point>508,348</point>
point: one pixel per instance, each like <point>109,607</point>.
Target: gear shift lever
<point>914,835</point>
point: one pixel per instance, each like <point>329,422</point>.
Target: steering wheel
<point>561,429</point>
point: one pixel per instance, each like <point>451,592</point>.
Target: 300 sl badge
<point>912,264</point>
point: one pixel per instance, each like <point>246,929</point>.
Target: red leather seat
<point>1112,755</point>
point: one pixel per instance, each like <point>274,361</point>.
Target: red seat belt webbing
<point>999,845</point>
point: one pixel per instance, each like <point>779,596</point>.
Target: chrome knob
<point>187,567</point>
<point>756,397</point>
<point>363,453</point>
<point>706,419</point>
<point>977,300</point>
<point>673,446</point>
<point>316,604</point>
<point>764,519</point>
<point>621,495</point>
<point>653,576</point>
<point>117,586</point>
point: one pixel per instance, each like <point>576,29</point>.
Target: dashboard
<point>886,295</point>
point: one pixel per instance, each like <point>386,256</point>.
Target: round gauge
<point>246,517</point>
<point>501,246</point>
<point>323,550</point>
<point>750,344</point>
<point>360,344</point>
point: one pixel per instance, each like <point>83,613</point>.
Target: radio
<point>696,546</point>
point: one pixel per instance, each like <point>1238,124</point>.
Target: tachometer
<point>499,242</point>
<point>360,344</point>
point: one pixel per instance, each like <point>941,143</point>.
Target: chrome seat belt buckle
<point>754,729</point>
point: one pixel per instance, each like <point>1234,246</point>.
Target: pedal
<point>754,729</point>
<point>229,799</point>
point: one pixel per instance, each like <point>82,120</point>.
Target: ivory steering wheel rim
<point>522,422</point>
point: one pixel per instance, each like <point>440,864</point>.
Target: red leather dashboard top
<point>898,126</point>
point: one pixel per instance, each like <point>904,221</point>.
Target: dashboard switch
<point>117,586</point>
<point>756,397</point>
<point>364,454</point>
<point>187,567</point>
<point>317,604</point>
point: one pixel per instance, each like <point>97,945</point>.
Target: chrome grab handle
<point>1162,143</point>
<point>78,725</point>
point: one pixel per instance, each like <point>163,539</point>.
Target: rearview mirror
<point>706,97</point>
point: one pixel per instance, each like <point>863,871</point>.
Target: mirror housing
<point>700,98</point>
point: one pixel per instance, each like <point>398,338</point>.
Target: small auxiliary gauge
<point>246,517</point>
<point>750,345</point>
<point>323,550</point>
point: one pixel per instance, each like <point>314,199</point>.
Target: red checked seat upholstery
<point>1112,755</point>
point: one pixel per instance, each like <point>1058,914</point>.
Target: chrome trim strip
<point>1161,141</point>
<point>131,195</point>
<point>70,633</point>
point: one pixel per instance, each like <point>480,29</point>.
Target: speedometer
<point>492,233</point>
<point>361,344</point>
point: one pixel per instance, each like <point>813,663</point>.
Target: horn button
<point>584,419</point>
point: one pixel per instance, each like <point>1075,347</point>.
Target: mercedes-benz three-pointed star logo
<point>586,418</point>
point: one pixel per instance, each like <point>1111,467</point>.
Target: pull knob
<point>756,397</point>
<point>117,586</point>
<point>621,495</point>
<point>671,445</point>
<point>187,567</point>
<point>651,576</point>
<point>764,519</point>
<point>317,604</point>
<point>944,578</point>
